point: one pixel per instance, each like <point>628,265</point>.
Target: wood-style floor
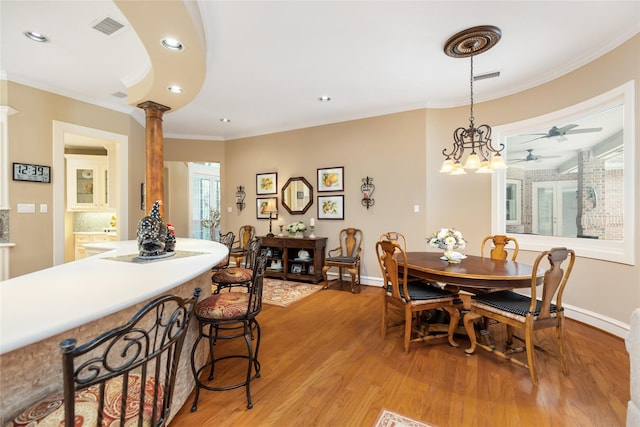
<point>324,363</point>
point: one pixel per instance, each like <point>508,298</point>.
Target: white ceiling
<point>269,61</point>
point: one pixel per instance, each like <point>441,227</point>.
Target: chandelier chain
<point>471,118</point>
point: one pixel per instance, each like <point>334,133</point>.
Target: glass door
<point>204,179</point>
<point>555,208</point>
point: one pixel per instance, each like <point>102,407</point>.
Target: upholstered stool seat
<point>226,306</point>
<point>240,275</point>
<point>50,410</point>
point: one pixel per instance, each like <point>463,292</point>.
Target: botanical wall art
<point>331,179</point>
<point>331,207</point>
<point>267,183</point>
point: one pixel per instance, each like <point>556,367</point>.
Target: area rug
<point>284,293</point>
<point>391,419</point>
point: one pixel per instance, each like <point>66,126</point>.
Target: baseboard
<point>579,314</point>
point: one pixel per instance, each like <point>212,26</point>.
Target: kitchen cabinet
<point>89,237</point>
<point>291,258</point>
<point>87,182</point>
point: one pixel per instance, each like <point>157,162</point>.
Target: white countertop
<point>50,301</point>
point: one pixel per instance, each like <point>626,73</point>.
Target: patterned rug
<point>284,293</point>
<point>391,419</point>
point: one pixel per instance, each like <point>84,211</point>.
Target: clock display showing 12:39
<point>32,173</point>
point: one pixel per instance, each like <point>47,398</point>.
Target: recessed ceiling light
<point>225,120</point>
<point>172,44</point>
<point>324,98</point>
<point>36,37</point>
<point>175,89</point>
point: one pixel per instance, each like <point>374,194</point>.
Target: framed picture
<point>267,183</point>
<point>331,207</point>
<point>262,207</point>
<point>296,268</point>
<point>331,179</point>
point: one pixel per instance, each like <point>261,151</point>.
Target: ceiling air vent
<point>108,26</point>
<point>119,94</point>
<point>486,75</point>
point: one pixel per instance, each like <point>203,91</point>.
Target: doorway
<point>555,208</point>
<point>65,134</point>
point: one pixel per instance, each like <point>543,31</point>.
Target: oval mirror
<point>297,195</point>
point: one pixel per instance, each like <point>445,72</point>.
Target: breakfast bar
<point>82,299</point>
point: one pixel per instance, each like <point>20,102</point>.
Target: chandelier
<point>483,156</point>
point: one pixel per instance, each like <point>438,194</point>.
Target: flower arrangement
<point>447,238</point>
<point>295,227</point>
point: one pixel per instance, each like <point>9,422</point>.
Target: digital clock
<point>31,173</point>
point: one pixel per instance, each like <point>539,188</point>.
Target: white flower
<point>294,227</point>
<point>447,237</point>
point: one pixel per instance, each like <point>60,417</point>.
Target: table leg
<point>469,321</point>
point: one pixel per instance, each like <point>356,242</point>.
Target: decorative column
<point>154,176</point>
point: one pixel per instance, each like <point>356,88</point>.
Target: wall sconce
<point>367,189</point>
<point>240,194</point>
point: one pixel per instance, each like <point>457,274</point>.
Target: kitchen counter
<point>82,299</point>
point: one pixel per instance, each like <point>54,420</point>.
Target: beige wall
<point>30,141</point>
<point>402,152</point>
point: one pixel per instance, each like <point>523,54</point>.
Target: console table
<point>288,260</point>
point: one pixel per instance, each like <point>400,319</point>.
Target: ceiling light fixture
<point>36,37</point>
<point>484,157</point>
<point>172,44</point>
<point>324,98</point>
<point>225,120</point>
<point>175,89</point>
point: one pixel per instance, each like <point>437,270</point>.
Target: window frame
<point>620,251</point>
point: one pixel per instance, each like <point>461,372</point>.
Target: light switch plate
<point>26,208</point>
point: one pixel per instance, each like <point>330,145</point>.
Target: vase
<point>449,255</point>
<point>296,234</point>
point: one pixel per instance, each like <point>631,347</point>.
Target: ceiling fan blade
<point>535,139</point>
<point>586,130</point>
<point>566,128</point>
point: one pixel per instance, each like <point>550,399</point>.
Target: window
<point>205,200</point>
<point>570,179</point>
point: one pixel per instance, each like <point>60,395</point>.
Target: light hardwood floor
<point>325,364</point>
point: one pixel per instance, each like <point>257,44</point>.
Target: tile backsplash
<point>91,221</point>
<point>4,225</point>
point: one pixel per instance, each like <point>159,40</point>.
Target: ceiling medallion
<point>472,41</point>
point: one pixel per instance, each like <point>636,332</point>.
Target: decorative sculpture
<point>155,238</point>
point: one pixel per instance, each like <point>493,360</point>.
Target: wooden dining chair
<point>499,249</point>
<point>244,236</point>
<point>345,257</point>
<point>526,313</point>
<point>411,299</point>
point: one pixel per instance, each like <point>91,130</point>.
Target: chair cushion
<point>342,259</point>
<point>232,275</point>
<point>225,306</point>
<point>510,302</point>
<point>421,291</point>
<point>50,410</point>
<point>237,251</point>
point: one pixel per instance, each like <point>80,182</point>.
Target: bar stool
<point>226,316</point>
<point>240,275</point>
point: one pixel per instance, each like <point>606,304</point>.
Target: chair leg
<point>383,330</point>
<point>408,317</point>
<point>250,358</point>
<point>469,321</point>
<point>454,318</point>
<point>560,339</point>
<point>355,287</point>
<point>324,277</point>
<point>530,352</point>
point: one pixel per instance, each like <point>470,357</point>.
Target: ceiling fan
<point>561,133</point>
<point>530,157</point>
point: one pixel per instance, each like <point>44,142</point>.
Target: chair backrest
<point>395,237</point>
<point>554,282</point>
<point>252,252</point>
<point>131,366</point>
<point>245,234</point>
<point>350,242</point>
<point>226,239</point>
<point>393,278</point>
<point>255,289</point>
<point>499,251</point>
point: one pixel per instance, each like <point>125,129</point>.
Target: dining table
<point>474,274</point>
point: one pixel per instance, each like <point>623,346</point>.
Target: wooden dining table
<point>474,274</point>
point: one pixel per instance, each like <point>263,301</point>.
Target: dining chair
<point>411,298</point>
<point>499,250</point>
<point>244,236</point>
<point>526,313</point>
<point>345,256</point>
<point>125,376</point>
<point>227,316</point>
<point>240,275</point>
